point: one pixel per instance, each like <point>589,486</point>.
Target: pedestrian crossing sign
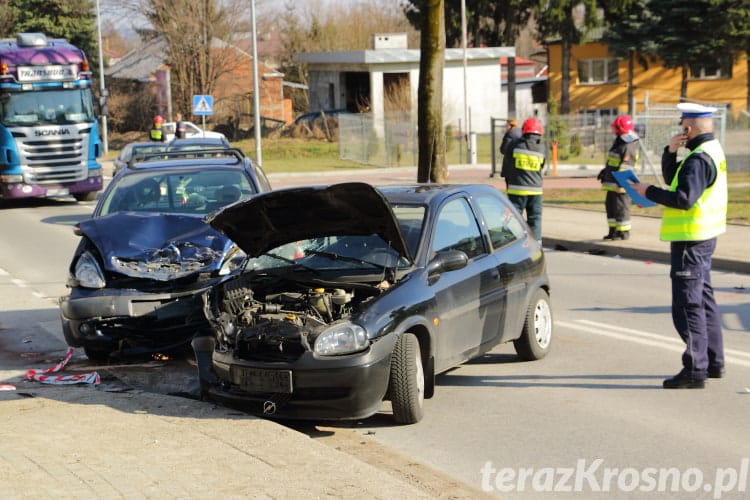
<point>203,105</point>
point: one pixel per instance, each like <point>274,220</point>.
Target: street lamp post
<point>256,88</point>
<point>103,94</point>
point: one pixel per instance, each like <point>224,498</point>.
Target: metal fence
<point>584,138</point>
<point>389,142</point>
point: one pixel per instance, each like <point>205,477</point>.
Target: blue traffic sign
<point>203,105</point>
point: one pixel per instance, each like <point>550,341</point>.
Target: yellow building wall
<point>658,85</point>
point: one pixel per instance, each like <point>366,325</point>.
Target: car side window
<point>457,229</point>
<point>502,224</point>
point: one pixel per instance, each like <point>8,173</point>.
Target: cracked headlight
<point>88,273</point>
<point>234,261</point>
<point>341,338</point>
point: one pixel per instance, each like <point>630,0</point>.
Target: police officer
<point>622,155</point>
<point>157,133</point>
<point>180,130</point>
<point>524,179</point>
<point>694,215</point>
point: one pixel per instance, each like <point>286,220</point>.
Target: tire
<point>407,384</point>
<point>536,336</point>
<point>90,196</point>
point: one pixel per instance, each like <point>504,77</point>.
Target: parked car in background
<point>198,143</point>
<point>146,255</point>
<point>315,118</point>
<point>191,130</point>
<point>133,151</point>
<point>353,295</point>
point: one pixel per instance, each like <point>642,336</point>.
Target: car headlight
<point>88,273</point>
<point>342,338</point>
<point>235,261</point>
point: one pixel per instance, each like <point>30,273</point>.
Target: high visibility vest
<point>707,218</point>
<point>624,146</point>
<point>156,134</point>
<point>527,180</point>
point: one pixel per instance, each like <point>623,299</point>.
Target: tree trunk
<point>684,83</point>
<point>431,138</point>
<point>631,71</point>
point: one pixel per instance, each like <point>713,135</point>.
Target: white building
<point>366,81</point>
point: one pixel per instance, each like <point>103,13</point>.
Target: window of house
<point>711,70</point>
<point>597,71</point>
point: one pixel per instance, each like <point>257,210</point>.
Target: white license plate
<point>260,380</point>
<point>58,192</point>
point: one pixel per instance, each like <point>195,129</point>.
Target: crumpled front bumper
<point>323,388</point>
<point>104,319</point>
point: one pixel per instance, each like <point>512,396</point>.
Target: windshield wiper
<point>345,258</point>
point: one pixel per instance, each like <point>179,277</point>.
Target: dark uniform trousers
<point>694,310</point>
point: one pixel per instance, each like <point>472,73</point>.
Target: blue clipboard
<point>622,177</point>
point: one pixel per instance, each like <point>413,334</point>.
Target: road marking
<point>731,356</point>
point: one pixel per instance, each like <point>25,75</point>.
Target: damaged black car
<point>354,295</point>
<point>146,255</point>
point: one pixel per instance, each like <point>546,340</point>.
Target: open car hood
<point>156,246</point>
<point>271,219</point>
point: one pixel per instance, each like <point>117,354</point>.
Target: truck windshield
<point>49,107</point>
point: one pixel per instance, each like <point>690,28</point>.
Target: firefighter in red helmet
<point>157,133</point>
<point>524,179</point>
<point>622,155</point>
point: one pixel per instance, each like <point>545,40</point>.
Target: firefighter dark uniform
<point>524,180</point>
<point>622,155</point>
<point>512,133</point>
<point>695,207</point>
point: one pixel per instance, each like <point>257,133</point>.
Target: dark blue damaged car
<point>146,255</point>
<point>353,295</point>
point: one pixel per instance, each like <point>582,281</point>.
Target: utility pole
<point>103,93</point>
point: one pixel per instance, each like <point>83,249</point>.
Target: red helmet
<point>158,119</point>
<point>532,126</point>
<point>623,124</point>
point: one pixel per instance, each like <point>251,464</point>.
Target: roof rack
<point>189,154</point>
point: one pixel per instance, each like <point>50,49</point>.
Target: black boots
<point>617,235</point>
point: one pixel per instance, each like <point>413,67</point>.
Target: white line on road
<point>731,356</point>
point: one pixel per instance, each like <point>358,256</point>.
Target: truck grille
<point>55,160</point>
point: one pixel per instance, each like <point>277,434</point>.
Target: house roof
<point>390,56</point>
<point>140,64</point>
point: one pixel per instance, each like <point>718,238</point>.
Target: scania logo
<point>52,131</point>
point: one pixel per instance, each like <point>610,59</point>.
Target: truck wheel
<point>90,196</point>
<point>406,385</point>
<point>536,337</point>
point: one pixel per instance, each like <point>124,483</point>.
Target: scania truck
<point>49,134</point>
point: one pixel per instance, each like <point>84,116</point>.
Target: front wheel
<point>536,337</point>
<point>406,385</point>
<point>90,196</point>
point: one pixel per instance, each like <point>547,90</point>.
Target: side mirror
<point>449,260</point>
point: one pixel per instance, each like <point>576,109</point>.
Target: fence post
<point>554,158</point>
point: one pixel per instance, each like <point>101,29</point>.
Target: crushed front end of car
<point>288,350</point>
<point>136,282</point>
<point>305,330</point>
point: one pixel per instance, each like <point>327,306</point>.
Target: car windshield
<point>354,252</point>
<point>332,253</point>
<point>175,191</point>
